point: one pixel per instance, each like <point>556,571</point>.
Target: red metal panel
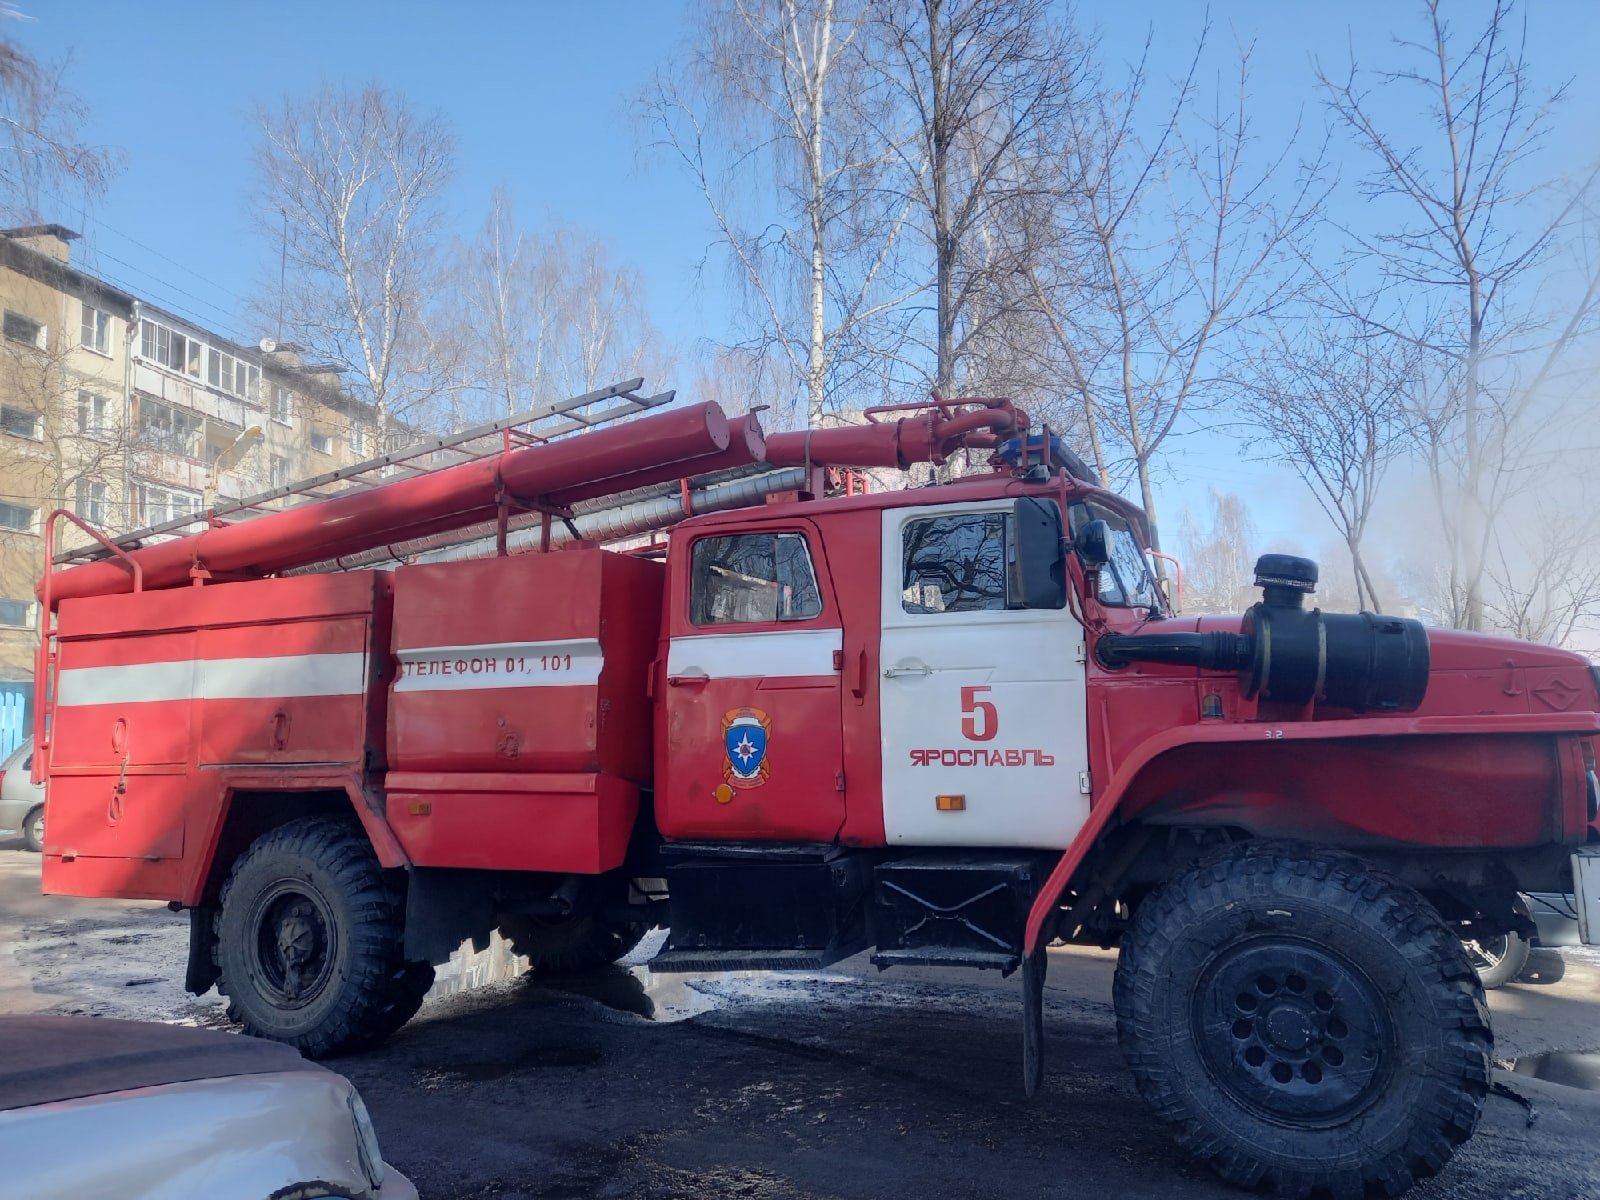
<point>521,822</point>
<point>545,672</point>
<point>801,796</point>
<point>108,816</point>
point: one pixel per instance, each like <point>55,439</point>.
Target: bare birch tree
<point>1219,559</point>
<point>1477,235</point>
<point>771,117</point>
<point>41,145</point>
<point>351,180</point>
<point>1335,408</point>
<point>1170,249</point>
<point>982,85</point>
<point>1544,583</point>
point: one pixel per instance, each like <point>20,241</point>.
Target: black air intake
<point>1357,661</point>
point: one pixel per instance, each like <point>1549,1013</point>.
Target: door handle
<point>688,679</point>
<point>897,672</point>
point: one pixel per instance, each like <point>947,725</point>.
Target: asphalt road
<point>838,1085</point>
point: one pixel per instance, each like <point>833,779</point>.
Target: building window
<point>92,415</point>
<point>167,427</point>
<point>954,564</point>
<point>158,504</point>
<point>15,516</point>
<point>90,501</point>
<point>96,331</point>
<point>171,349</point>
<point>19,422</point>
<point>279,471</point>
<point>358,439</point>
<point>280,405</point>
<point>26,330</point>
<point>18,614</point>
<point>321,442</point>
<point>753,578</point>
<point>233,375</point>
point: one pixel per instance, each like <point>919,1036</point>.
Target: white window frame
<point>96,322</point>
<point>147,404</point>
<point>41,332</point>
<point>96,408</point>
<point>37,432</point>
<point>29,614</point>
<point>147,493</point>
<point>89,501</point>
<point>32,525</point>
<point>326,446</point>
<point>286,416</point>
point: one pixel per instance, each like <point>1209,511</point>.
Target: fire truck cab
<point>945,726</point>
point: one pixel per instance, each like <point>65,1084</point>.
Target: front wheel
<point>1303,1022</point>
<point>33,830</point>
<point>310,940</point>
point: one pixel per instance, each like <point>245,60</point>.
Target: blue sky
<point>541,94</point>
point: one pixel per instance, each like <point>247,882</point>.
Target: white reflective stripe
<point>751,655</point>
<point>566,662</point>
<point>123,685</point>
<point>217,679</point>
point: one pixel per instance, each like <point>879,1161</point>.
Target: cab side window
<point>954,564</point>
<point>752,578</point>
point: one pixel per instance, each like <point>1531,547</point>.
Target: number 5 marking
<point>982,721</point>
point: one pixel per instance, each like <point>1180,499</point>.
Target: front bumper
<point>1586,893</point>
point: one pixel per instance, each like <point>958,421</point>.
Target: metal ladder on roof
<point>535,425</point>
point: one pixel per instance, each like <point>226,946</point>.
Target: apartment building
<point>129,415</point>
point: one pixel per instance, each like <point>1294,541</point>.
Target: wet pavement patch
<point>1575,1069</point>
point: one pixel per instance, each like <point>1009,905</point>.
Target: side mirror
<point>1094,544</point>
<point>1035,573</point>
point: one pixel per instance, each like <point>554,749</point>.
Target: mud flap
<point>1033,970</point>
<point>202,970</point>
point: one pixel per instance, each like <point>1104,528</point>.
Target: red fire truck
<point>949,725</point>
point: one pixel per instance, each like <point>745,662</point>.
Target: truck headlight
<point>366,1140</point>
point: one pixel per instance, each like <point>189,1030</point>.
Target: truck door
<point>752,744</point>
<point>983,707</point>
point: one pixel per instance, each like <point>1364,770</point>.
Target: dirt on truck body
<point>945,725</point>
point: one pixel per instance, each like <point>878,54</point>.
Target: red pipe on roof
<point>417,506</point>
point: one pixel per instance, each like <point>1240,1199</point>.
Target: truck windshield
<point>1125,581</point>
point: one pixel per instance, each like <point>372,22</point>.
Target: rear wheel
<point>1304,1023</point>
<point>1500,958</point>
<point>310,940</point>
<point>33,830</point>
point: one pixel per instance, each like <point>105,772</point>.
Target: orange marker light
<point>950,803</point>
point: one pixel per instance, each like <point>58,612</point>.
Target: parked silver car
<point>21,800</point>
<point>95,1107</point>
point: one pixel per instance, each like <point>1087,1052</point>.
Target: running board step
<point>949,956</point>
<point>669,961</point>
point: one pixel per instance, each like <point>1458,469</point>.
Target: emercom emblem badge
<point>744,745</point>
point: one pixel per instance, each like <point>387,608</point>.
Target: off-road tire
<point>363,989</point>
<point>571,945</point>
<point>33,830</point>
<point>1356,962</point>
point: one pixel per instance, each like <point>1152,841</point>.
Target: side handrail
<point>45,659</point>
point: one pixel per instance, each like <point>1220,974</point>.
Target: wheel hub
<point>291,951</point>
<point>1292,1030</point>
